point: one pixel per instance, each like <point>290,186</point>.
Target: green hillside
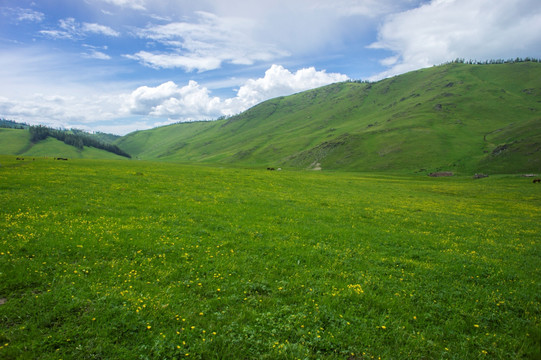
<point>17,142</point>
<point>13,141</point>
<point>458,117</point>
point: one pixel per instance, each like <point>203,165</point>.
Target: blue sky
<point>123,65</point>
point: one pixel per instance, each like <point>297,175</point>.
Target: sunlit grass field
<point>149,260</point>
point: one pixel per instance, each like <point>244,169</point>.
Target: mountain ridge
<point>449,117</point>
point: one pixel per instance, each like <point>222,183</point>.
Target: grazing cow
<point>441,173</point>
<point>20,158</point>
<point>271,169</point>
<point>60,159</point>
<point>536,181</point>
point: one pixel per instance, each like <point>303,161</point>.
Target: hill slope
<point>17,142</point>
<point>457,117</point>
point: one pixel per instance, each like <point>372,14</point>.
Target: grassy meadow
<point>105,259</point>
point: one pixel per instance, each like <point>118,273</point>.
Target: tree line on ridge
<point>76,138</point>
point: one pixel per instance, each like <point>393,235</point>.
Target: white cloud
<point>369,8</point>
<point>99,29</point>
<point>169,61</point>
<point>20,14</point>
<point>95,54</point>
<point>205,44</point>
<point>444,30</point>
<point>61,110</point>
<point>279,81</point>
<point>69,25</point>
<point>71,29</point>
<point>190,102</point>
<point>193,102</point>
<point>56,34</point>
<point>30,15</point>
<point>132,4</point>
<point>168,99</point>
<point>310,27</point>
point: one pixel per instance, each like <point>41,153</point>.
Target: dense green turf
<point>450,117</point>
<point>13,141</point>
<point>154,260</point>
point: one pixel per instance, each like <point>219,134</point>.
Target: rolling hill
<point>17,142</point>
<point>457,117</point>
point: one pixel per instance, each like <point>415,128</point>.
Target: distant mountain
<point>456,117</point>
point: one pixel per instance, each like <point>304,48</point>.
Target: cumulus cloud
<point>279,81</point>
<point>444,30</point>
<point>189,102</point>
<point>194,102</point>
<point>205,44</point>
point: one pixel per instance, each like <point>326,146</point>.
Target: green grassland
<point>17,142</point>
<point>105,259</point>
<point>14,141</point>
<point>453,117</point>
